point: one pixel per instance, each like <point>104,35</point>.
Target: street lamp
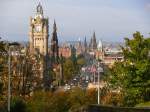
<point>100,70</point>
<point>9,71</point>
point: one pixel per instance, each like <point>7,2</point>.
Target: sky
<point>112,20</point>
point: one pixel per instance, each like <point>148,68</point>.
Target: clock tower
<point>38,33</point>
<point>38,42</point>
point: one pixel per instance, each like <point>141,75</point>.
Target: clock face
<point>38,28</point>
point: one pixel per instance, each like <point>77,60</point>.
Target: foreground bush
<point>60,101</point>
<point>18,105</point>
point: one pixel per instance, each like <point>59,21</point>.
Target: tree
<point>3,57</point>
<point>132,76</point>
<point>2,52</point>
<point>77,98</point>
<point>68,69</point>
<point>81,61</point>
<point>39,102</point>
<point>60,101</point>
<point>24,70</point>
<point>18,105</point>
<point>48,102</point>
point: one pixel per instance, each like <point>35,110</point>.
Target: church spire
<point>85,44</point>
<point>94,43</point>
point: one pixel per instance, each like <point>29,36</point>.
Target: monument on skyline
<point>54,50</point>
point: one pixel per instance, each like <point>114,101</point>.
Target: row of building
<point>39,36</point>
<point>107,53</point>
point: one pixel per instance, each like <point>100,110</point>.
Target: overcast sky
<point>112,20</point>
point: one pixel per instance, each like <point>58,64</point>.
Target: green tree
<point>132,76</point>
<point>81,61</point>
<point>79,98</point>
<point>68,69</point>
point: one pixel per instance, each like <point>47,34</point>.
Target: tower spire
<point>94,41</point>
<point>54,26</point>
<point>85,42</point>
<point>39,9</point>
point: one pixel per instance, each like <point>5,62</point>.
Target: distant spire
<point>94,43</point>
<point>85,43</point>
<point>90,44</point>
<point>94,36</point>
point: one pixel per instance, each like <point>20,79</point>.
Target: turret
<point>39,11</point>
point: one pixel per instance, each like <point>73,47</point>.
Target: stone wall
<point>96,108</point>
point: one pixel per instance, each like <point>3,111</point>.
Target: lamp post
<point>9,71</point>
<point>9,58</point>
<point>99,71</point>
